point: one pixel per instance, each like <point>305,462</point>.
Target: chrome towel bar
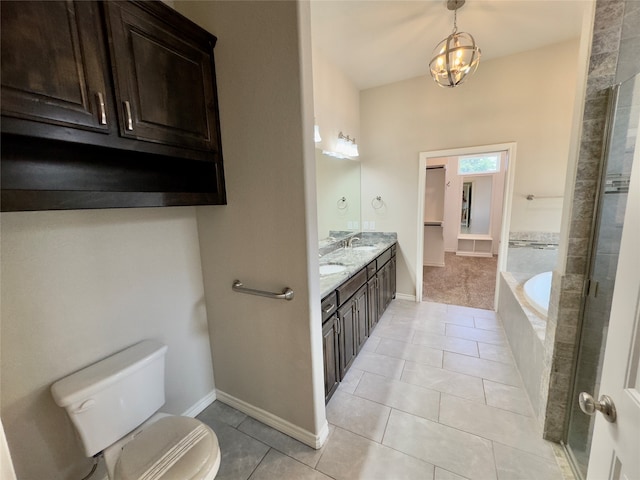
<point>287,293</point>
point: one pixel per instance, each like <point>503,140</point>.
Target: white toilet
<point>114,404</point>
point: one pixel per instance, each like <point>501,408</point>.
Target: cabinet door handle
<point>129,119</point>
<point>102,109</point>
<point>339,326</point>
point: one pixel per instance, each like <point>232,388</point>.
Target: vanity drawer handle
<point>329,308</point>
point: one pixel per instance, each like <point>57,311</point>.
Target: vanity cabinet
<point>372,300</point>
<point>352,315</point>
<point>330,344</point>
<point>107,104</point>
<point>382,286</point>
<point>360,301</point>
<point>386,286</point>
<point>331,355</point>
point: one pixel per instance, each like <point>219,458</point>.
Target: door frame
<point>423,158</point>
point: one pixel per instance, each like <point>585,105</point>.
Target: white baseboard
<point>200,405</point>
<point>288,428</point>
<point>404,296</point>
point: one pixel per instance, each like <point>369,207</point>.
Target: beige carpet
<point>466,281</point>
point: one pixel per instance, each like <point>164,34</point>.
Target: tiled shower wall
<point>615,57</point>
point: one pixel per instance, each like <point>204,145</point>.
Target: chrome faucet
<point>351,240</point>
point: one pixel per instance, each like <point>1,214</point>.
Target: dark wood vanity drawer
<point>329,306</point>
<point>351,286</point>
<point>371,270</point>
<point>383,258</point>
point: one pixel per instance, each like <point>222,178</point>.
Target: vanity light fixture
<point>457,56</point>
<point>347,146</point>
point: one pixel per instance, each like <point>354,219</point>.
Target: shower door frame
<point>612,108</point>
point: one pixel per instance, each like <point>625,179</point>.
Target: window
<point>476,164</point>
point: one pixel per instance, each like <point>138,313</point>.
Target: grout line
<point>259,463</point>
<point>484,390</point>
<point>495,462</point>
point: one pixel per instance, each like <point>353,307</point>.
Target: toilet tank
<point>108,399</point>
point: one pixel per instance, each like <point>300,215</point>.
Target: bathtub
<point>537,291</point>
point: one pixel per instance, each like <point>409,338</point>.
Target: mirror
<point>475,209</point>
<point>338,192</point>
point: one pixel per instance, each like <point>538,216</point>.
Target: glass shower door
<point>612,201</point>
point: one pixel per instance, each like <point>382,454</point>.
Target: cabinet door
<point>347,336</point>
<point>164,78</point>
<point>331,357</point>
<point>362,317</point>
<point>387,285</point>
<point>392,278</point>
<point>54,65</point>
<point>372,303</point>
<point>383,287</point>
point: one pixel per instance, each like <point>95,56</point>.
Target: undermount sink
<point>332,268</point>
<point>365,248</point>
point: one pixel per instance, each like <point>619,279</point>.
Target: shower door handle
<point>605,406</point>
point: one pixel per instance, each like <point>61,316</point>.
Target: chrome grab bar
<point>287,293</point>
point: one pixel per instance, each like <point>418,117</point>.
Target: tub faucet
<point>351,240</point>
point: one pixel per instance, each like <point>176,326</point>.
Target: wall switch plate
<point>350,225</point>
<point>372,225</point>
<point>365,225</point>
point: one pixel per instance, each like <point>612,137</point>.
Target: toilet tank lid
<point>94,378</point>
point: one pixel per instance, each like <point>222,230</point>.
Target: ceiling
<point>376,42</point>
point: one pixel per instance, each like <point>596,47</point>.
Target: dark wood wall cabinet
<point>351,312</point>
<point>107,104</point>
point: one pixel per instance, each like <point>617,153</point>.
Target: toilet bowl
<point>113,405</point>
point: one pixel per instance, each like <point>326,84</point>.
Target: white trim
<point>404,296</point>
<point>464,253</point>
<point>284,426</point>
<point>474,236</point>
<point>510,148</point>
<point>507,204</point>
<point>200,405</point>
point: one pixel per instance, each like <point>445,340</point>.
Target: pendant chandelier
<point>457,56</point>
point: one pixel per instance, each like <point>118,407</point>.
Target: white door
<point>615,450</point>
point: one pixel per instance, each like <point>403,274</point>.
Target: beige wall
<point>263,348</point>
<point>78,286</point>
<point>525,98</point>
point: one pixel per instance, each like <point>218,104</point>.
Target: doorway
<point>472,213</point>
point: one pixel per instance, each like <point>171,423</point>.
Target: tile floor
<point>433,395</point>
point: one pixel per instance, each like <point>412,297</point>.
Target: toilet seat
<point>172,448</point>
